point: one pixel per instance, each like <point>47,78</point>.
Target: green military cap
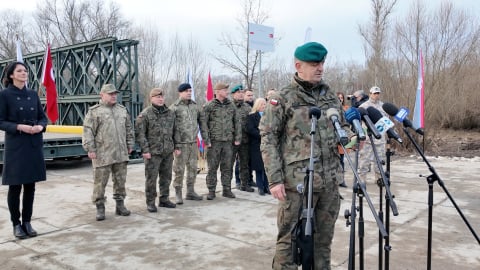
<point>311,52</point>
<point>236,88</point>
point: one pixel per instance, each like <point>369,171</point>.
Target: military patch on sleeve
<point>274,102</point>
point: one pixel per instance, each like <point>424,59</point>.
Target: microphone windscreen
<point>352,114</point>
<point>390,109</point>
<point>362,111</point>
<point>315,111</point>
<point>374,114</point>
<point>332,112</point>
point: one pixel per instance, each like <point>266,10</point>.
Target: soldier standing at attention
<point>108,139</point>
<point>154,133</point>
<point>241,151</point>
<point>188,120</point>
<point>224,131</point>
<point>285,146</point>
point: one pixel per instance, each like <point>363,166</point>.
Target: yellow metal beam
<point>65,129</point>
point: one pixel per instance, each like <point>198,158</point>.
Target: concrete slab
<point>236,233</point>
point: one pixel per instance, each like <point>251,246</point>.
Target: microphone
<point>333,115</point>
<point>383,124</point>
<point>314,111</point>
<point>352,115</point>
<point>369,123</point>
<point>400,116</point>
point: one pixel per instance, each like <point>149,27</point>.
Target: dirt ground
<point>447,143</point>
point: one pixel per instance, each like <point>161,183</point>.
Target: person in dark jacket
<point>256,162</point>
<point>24,121</point>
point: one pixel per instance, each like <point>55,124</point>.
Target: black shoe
<point>27,227</point>
<point>261,192</point>
<point>151,208</point>
<point>342,185</point>
<point>247,189</point>
<point>167,204</point>
<point>267,191</point>
<point>211,195</point>
<point>228,194</point>
<point>18,232</point>
<point>252,184</point>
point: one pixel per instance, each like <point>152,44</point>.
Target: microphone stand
<point>384,181</point>
<point>387,246</point>
<point>430,180</point>
<point>351,215</point>
<point>360,189</point>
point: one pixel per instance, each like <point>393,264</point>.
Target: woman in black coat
<point>256,161</point>
<point>23,121</point>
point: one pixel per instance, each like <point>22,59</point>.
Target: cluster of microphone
<point>376,123</point>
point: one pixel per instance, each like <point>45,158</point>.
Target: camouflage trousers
<point>187,158</point>
<point>219,154</point>
<point>326,205</point>
<point>158,166</point>
<point>243,157</point>
<point>366,160</point>
<point>100,179</point>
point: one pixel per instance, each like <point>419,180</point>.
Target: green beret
<point>237,88</point>
<point>311,52</point>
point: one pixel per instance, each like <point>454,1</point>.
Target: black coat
<point>256,161</point>
<point>23,160</point>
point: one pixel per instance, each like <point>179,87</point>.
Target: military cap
<point>236,88</point>
<point>375,89</point>
<point>219,86</point>
<point>311,52</point>
<point>156,92</point>
<point>184,86</point>
<point>108,88</point>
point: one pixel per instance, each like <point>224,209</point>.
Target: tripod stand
<point>434,177</point>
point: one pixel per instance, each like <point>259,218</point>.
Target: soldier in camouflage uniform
<point>224,131</point>
<point>154,133</point>
<point>188,120</point>
<point>241,151</point>
<point>285,146</point>
<point>366,157</point>
<point>108,139</point>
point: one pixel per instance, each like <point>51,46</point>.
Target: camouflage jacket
<point>154,130</point>
<point>285,133</point>
<point>108,131</point>
<point>222,121</point>
<point>243,110</point>
<point>188,120</point>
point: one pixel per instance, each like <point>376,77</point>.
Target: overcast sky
<point>333,23</point>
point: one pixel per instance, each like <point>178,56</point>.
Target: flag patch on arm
<point>274,102</point>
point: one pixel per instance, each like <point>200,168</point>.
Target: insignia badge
<point>274,102</point>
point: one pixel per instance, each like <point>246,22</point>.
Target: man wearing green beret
<point>285,145</point>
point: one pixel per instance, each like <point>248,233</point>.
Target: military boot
<point>178,195</point>
<point>100,211</point>
<point>227,193</point>
<point>211,195</point>
<point>192,195</point>
<point>151,206</point>
<point>165,202</point>
<point>121,210</point>
<point>247,188</point>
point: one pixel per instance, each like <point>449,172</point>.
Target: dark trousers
<point>262,181</point>
<point>14,202</point>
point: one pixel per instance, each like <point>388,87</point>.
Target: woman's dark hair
<point>9,71</point>
<point>343,95</point>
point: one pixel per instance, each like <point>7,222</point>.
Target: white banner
<point>260,37</point>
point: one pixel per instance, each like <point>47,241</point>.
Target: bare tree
<point>243,60</point>
<point>15,24</point>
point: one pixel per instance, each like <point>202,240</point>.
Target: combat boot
<point>211,195</point>
<point>121,210</point>
<point>178,195</point>
<point>247,188</point>
<point>192,195</point>
<point>151,206</point>
<point>227,193</point>
<point>166,203</point>
<point>100,211</point>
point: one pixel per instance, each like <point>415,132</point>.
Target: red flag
<point>209,88</point>
<point>48,80</point>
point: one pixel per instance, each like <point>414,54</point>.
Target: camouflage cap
<point>156,92</point>
<point>311,52</point>
<point>375,89</point>
<point>236,88</point>
<point>220,86</point>
<point>108,88</point>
